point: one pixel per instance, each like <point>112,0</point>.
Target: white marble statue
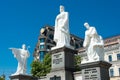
<point>21,55</point>
<point>61,34</point>
<point>94,44</point>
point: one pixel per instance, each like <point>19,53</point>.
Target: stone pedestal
<point>22,77</point>
<point>95,70</point>
<point>62,64</point>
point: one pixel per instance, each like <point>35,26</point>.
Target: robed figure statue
<point>94,44</point>
<point>21,55</point>
<point>61,34</point>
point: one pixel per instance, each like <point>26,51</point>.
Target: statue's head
<point>23,46</point>
<point>62,8</point>
<point>86,25</point>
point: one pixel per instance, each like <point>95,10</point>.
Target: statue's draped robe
<point>94,45</point>
<point>21,55</point>
<point>61,34</point>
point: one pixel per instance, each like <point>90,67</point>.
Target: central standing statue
<point>61,34</point>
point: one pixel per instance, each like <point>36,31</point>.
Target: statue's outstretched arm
<point>15,51</point>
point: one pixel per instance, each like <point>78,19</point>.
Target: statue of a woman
<point>94,44</point>
<point>21,55</point>
<point>61,34</point>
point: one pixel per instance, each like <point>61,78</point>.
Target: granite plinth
<point>63,59</point>
<point>98,70</point>
<point>62,64</point>
<point>22,77</point>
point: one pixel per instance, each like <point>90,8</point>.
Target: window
<point>42,40</point>
<point>48,41</point>
<point>76,46</point>
<point>118,56</point>
<point>42,56</point>
<point>110,58</point>
<point>111,73</point>
<point>48,47</point>
<point>51,36</point>
<point>41,46</point>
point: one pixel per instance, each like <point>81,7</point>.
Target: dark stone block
<point>22,77</point>
<point>62,64</point>
<point>63,59</point>
<point>98,70</point>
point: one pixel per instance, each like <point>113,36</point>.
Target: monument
<point>94,44</point>
<point>95,68</point>
<point>62,53</point>
<point>21,55</point>
<point>61,34</point>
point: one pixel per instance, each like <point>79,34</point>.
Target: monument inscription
<point>58,60</point>
<point>91,74</point>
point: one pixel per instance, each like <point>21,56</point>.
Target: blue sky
<point>21,20</point>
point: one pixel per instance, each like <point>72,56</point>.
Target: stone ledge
<point>22,77</point>
<point>96,64</point>
<point>63,49</point>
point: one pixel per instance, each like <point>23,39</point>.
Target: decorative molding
<point>111,47</point>
<point>68,50</point>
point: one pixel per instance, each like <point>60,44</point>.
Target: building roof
<point>112,40</point>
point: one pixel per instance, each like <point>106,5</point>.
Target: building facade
<point>45,42</point>
<point>112,55</point>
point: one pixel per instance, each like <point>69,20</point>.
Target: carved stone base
<point>22,77</point>
<point>63,58</point>
<point>60,75</point>
<point>95,70</point>
<point>62,64</point>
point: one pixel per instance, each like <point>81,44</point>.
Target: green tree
<point>77,62</point>
<point>41,68</point>
<point>36,67</point>
<point>2,78</point>
<point>47,63</point>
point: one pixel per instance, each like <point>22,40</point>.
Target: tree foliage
<point>77,62</point>
<point>41,68</point>
<point>2,78</point>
